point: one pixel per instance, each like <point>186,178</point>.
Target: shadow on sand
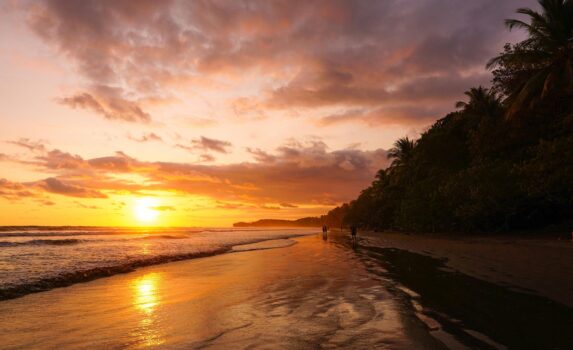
<point>460,302</point>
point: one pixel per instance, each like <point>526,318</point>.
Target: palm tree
<point>482,101</point>
<point>542,64</point>
<point>402,151</point>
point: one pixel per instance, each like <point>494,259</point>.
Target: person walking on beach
<point>324,232</point>
<point>353,233</point>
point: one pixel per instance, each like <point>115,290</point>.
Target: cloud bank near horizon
<point>296,173</point>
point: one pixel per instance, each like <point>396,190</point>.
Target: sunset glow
<point>145,211</point>
<point>286,174</point>
<point>226,112</point>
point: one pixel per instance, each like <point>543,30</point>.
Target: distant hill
<point>304,222</point>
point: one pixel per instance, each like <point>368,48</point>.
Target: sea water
<point>40,258</point>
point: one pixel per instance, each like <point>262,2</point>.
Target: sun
<point>144,210</point>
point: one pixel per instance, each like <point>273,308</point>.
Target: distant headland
<point>303,222</point>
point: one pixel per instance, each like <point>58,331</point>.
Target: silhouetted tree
<point>540,65</point>
<point>482,101</point>
<point>402,151</point>
<point>474,170</point>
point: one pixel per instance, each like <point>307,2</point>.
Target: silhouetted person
<point>324,232</point>
<point>353,234</point>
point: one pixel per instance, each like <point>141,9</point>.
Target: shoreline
<point>83,276</point>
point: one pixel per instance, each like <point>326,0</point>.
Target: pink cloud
<point>358,54</point>
<point>110,107</point>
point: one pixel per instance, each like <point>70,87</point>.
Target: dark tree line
<point>502,161</point>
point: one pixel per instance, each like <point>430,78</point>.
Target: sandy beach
<point>301,293</point>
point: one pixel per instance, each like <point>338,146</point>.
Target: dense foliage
<point>503,161</point>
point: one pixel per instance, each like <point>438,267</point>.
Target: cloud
<point>269,207</point>
<point>13,190</point>
<point>248,108</point>
<point>86,206</point>
<point>345,54</point>
<point>110,107</point>
<point>35,146</point>
<point>56,159</point>
<point>46,202</point>
<point>206,158</point>
<point>230,206</point>
<point>163,208</point>
<point>400,115</point>
<point>301,172</point>
<point>206,144</point>
<point>288,205</point>
<point>151,136</point>
<point>261,156</point>
<point>53,185</point>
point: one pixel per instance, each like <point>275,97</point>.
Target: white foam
<point>272,244</point>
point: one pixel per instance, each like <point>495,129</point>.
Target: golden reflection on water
<point>145,296</point>
<point>145,248</point>
<point>146,300</point>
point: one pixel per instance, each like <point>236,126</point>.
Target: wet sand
<point>303,293</point>
<point>312,294</point>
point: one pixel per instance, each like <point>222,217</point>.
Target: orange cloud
<point>54,185</point>
<point>299,173</point>
<point>12,190</point>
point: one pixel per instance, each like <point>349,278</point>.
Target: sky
<point>205,113</point>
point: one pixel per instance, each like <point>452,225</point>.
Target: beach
<point>294,293</point>
<point>306,295</point>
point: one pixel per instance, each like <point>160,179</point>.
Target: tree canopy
<point>502,161</point>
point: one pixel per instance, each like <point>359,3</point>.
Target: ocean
<point>34,259</point>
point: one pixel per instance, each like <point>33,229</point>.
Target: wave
<point>90,231</point>
<point>63,279</point>
<point>78,233</point>
<point>251,229</point>
<point>67,231</point>
<point>69,278</point>
<point>69,241</point>
<point>165,237</point>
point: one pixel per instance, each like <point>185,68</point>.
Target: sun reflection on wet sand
<point>311,294</point>
<point>146,301</point>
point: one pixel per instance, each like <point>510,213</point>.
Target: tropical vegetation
<point>502,161</point>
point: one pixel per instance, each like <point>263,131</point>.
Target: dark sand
<point>539,266</point>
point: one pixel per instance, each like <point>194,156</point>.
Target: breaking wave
<point>42,242</point>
